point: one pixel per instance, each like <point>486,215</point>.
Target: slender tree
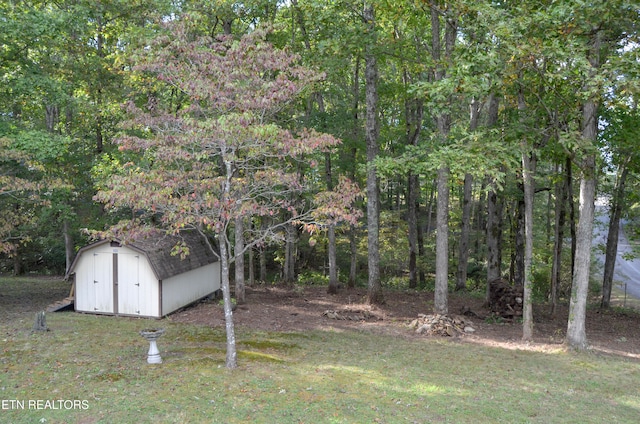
<point>222,157</point>
<point>443,126</point>
<point>371,135</point>
<point>576,327</point>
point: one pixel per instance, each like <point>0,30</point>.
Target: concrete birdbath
<point>151,335</point>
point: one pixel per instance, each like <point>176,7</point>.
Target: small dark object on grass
<point>41,322</point>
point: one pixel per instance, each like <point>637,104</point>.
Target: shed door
<point>129,284</point>
<point>102,282</point>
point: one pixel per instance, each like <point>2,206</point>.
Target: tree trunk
<point>465,230</point>
<point>576,333</point>
<point>480,224</point>
<point>333,269</point>
<point>493,222</point>
<point>331,233</point>
<point>239,260</point>
<point>517,256</point>
<point>231,359</point>
<point>440,302</point>
<point>612,236</point>
<point>353,246</point>
<point>52,116</point>
<point>494,234</point>
<point>68,244</point>
<point>465,223</point>
<point>560,212</point>
<point>374,293</point>
<point>262,259</point>
<point>262,254</point>
<point>412,222</point>
<point>572,213</point>
<point>413,119</point>
<point>528,171</point>
<point>353,253</point>
<point>99,93</point>
<point>251,254</point>
<point>443,126</point>
<point>289,266</point>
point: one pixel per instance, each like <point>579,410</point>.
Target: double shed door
<point>124,283</point>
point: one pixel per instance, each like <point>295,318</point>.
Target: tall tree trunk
<point>231,360</point>
<point>239,260</point>
<point>480,223</point>
<point>52,117</point>
<point>262,262</point>
<point>68,244</point>
<point>572,213</point>
<point>374,293</point>
<point>517,255</point>
<point>413,119</point>
<point>528,171</point>
<point>353,254</point>
<point>465,231</point>
<point>465,223</point>
<point>99,92</point>
<point>493,223</point>
<point>262,254</point>
<point>440,302</point>
<point>576,333</point>
<point>412,222</point>
<point>252,265</point>
<point>232,357</point>
<point>355,111</point>
<point>331,233</point>
<point>612,236</point>
<point>289,266</point>
<point>560,216</point>
<point>442,125</point>
<point>494,234</point>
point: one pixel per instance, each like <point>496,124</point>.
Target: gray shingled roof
<point>157,248</point>
<point>158,251</point>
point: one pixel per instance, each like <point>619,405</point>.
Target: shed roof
<point>157,248</point>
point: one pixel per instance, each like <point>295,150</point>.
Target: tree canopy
<point>481,133</point>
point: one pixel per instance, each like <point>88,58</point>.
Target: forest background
<point>480,132</point>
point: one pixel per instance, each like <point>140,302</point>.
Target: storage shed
<point>142,278</point>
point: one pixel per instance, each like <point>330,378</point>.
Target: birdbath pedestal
<point>151,335</point>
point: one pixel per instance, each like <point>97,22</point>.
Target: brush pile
<point>441,325</point>
<point>505,300</point>
<point>350,315</point>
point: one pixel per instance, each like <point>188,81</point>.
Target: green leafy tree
<point>26,187</point>
<point>222,155</point>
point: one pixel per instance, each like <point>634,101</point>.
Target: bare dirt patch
<point>273,308</point>
<point>270,308</point>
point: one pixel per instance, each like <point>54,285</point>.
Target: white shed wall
<point>183,289</point>
<point>94,280</point>
<point>138,291</point>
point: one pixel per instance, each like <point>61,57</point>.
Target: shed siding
<point>183,289</point>
<point>137,286</point>
<point>141,279</point>
<point>94,281</point>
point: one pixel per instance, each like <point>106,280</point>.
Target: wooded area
<point>437,145</point>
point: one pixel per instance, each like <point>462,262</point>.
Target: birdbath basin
<point>151,335</point>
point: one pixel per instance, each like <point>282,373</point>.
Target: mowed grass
<point>311,377</point>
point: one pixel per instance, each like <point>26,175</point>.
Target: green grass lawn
<point>312,377</point>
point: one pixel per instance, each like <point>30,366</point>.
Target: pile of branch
<point>441,325</point>
<point>350,315</point>
<point>505,300</point>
